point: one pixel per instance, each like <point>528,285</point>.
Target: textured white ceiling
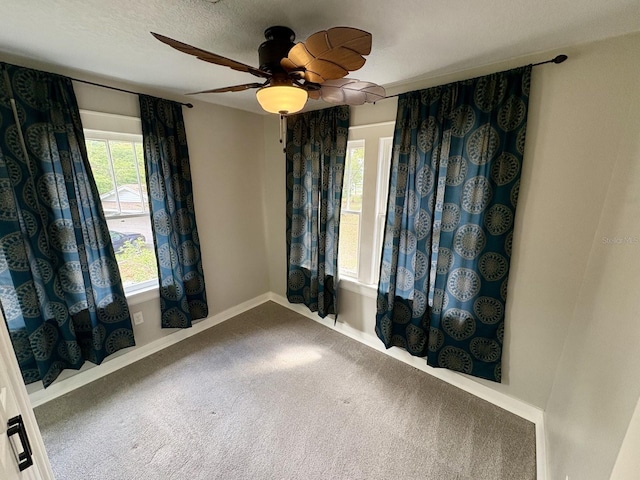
<point>411,38</point>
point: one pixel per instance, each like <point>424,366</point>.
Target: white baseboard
<point>508,403</point>
<point>84,377</point>
<point>541,449</point>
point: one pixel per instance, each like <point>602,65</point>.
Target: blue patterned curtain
<point>182,290</point>
<point>316,149</point>
<point>60,286</point>
<point>456,165</point>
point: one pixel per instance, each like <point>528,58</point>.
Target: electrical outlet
<point>138,318</point>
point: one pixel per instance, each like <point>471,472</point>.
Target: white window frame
<point>385,151</point>
<point>149,289</point>
<point>377,139</point>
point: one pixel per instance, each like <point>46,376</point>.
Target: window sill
<point>141,295</point>
<point>352,285</point>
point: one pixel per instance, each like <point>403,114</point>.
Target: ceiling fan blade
<point>329,54</point>
<point>349,91</point>
<point>211,57</point>
<point>234,88</point>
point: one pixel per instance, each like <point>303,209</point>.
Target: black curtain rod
<point>188,105</point>
<point>556,59</point>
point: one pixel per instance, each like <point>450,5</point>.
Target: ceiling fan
<point>291,73</point>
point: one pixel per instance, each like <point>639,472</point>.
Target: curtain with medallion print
<point>182,290</point>
<point>315,157</point>
<point>60,286</point>
<point>455,176</point>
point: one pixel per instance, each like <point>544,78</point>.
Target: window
<point>364,201</point>
<point>382,189</point>
<point>351,209</point>
<point>117,164</point>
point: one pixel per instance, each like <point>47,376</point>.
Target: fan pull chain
<point>283,130</point>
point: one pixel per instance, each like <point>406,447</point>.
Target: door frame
<point>9,362</point>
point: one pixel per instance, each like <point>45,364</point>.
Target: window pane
<point>385,151</point>
<point>126,173</point>
<point>132,240</point>
<point>348,247</point>
<point>352,188</point>
<point>346,182</point>
<point>139,153</point>
<point>99,160</point>
<point>353,179</point>
<point>357,177</point>
<point>129,226</point>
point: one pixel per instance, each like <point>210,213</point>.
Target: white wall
<point>582,120</point>
<point>274,204</point>
<point>227,149</point>
<point>597,385</point>
<point>226,158</point>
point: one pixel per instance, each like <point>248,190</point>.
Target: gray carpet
<point>270,394</point>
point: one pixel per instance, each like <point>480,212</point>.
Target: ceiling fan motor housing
<point>275,48</point>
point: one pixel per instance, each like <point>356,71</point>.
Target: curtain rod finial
<point>560,59</point>
<point>188,105</point>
